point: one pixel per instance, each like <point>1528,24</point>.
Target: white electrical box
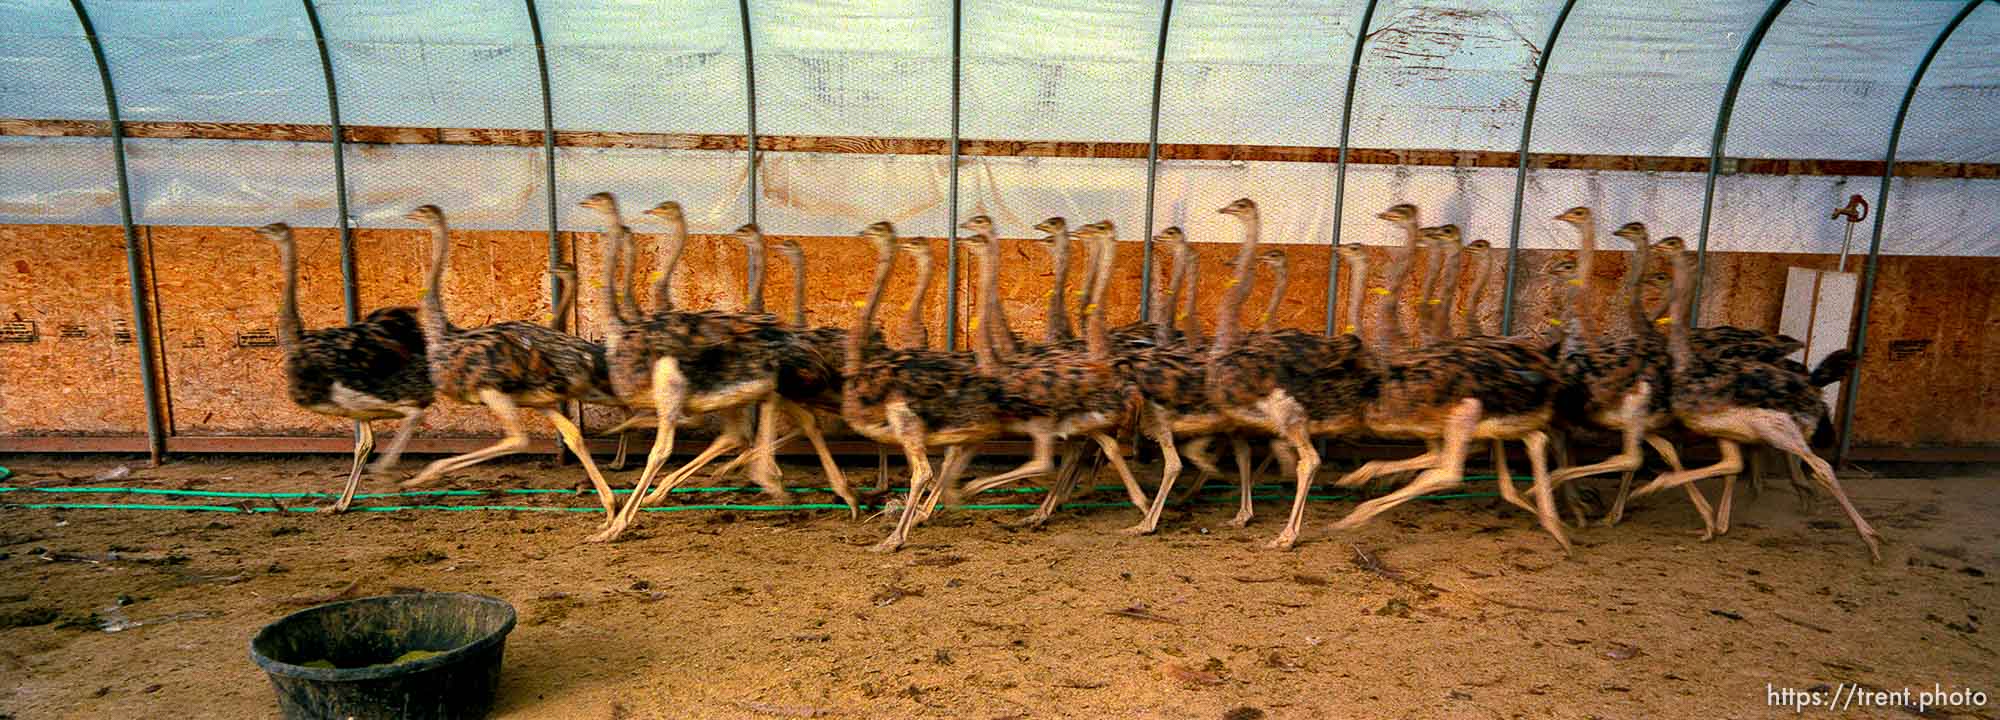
<point>1819,310</point>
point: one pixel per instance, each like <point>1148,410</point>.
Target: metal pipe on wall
<point>1521,168</point>
<point>1153,169</point>
<point>750,97</point>
<point>135,275</point>
<point>1340,169</point>
<point>951,207</point>
<point>1720,136</point>
<point>1852,386</point>
<point>549,178</point>
<point>350,286</point>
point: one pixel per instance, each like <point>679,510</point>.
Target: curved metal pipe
<point>1521,168</point>
<point>1340,169</point>
<point>548,142</point>
<point>951,211</point>
<point>135,275</point>
<point>350,287</point>
<point>1153,167</point>
<point>1849,390</point>
<point>750,95</point>
<point>549,178</point>
<point>1720,136</point>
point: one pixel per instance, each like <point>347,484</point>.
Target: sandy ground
<point>1470,611</point>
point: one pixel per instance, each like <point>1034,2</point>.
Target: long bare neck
<point>1097,336</point>
<point>612,254</point>
<point>1226,320</point>
<point>1357,288</point>
<point>435,320</point>
<point>666,260</point>
<point>291,330</point>
<point>992,314</point>
<point>1089,280</point>
<point>1635,304</point>
<point>1454,269</point>
<point>1390,337</point>
<point>1399,275</point>
<point>1573,334</point>
<point>865,320</point>
<point>1279,279</point>
<point>1162,306</point>
<point>753,280</point>
<point>1058,325</point>
<point>1678,309</point>
<point>983,351</point>
<point>1478,293</point>
<point>996,327</point>
<point>1427,308</point>
<point>916,333</point>
<point>628,300</point>
<point>1187,280</point>
<point>1586,262</point>
<point>798,264</point>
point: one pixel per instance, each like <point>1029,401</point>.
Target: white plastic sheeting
<point>866,67</point>
<point>61,181</point>
<point>628,66</point>
<point>177,182</point>
<point>1624,78</point>
<point>1953,118</point>
<point>211,60</point>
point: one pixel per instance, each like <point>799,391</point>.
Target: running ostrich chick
<point>1290,384</point>
<point>915,398</point>
<point>1507,383</point>
<point>684,364</point>
<point>1064,391</point>
<point>506,366</point>
<point>371,370</point>
<point>1737,401</point>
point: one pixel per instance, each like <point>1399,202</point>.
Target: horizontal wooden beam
<point>855,145</point>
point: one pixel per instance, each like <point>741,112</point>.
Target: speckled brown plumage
<point>913,399</point>
<point>505,366</point>
<point>371,370</point>
<point>1507,383</point>
<point>1736,401</point>
<point>685,364</point>
<point>1287,383</point>
<point>1062,391</point>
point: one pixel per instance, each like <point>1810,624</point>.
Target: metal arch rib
<point>1720,136</point>
<point>1851,387</point>
<point>1521,168</point>
<point>142,327</point>
<point>1340,169</point>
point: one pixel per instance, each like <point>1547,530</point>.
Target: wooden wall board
<point>35,127</point>
<point>65,286</point>
<point>218,290</point>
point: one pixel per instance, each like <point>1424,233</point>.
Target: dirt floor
<point>1442,609</point>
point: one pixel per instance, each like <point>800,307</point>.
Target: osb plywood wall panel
<point>495,275</point>
<point>76,377</point>
<point>1933,354</point>
<point>218,294</point>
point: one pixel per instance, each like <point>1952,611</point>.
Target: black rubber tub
<point>364,638</point>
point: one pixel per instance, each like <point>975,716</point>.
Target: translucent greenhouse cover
<point>1624,79</point>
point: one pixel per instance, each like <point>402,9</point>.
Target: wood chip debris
<point>1138,611</point>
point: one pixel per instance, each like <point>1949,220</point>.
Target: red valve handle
<point>1855,211</point>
